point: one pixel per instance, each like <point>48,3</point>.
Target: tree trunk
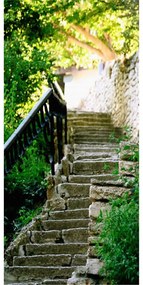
<point>104,50</point>
<point>86,46</point>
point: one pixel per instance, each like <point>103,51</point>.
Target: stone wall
<point>116,91</point>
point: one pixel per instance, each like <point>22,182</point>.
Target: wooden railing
<point>48,115</point>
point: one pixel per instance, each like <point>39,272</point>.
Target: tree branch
<point>86,46</point>
<point>106,51</point>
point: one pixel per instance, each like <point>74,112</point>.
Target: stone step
<point>91,140</point>
<point>64,224</point>
<point>45,236</point>
<point>23,283</point>
<point>54,282</point>
<point>87,178</point>
<point>43,260</point>
<point>29,273</point>
<point>90,116</point>
<point>74,203</point>
<point>94,167</point>
<point>90,134</point>
<point>46,282</point>
<point>107,129</point>
<point>70,190</point>
<point>88,113</point>
<point>91,123</point>
<point>40,249</point>
<point>65,235</point>
<point>92,155</point>
<point>51,259</point>
<point>75,235</point>
<point>69,214</point>
<point>95,147</point>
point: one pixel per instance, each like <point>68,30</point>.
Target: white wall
<point>114,90</point>
<point>77,86</point>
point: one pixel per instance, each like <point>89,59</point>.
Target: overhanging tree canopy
<point>105,28</point>
<point>41,35</point>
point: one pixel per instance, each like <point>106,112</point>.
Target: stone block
<point>92,251</point>
<point>80,281</point>
<point>74,203</point>
<point>93,266</point>
<point>45,236</point>
<point>69,190</point>
<point>94,228</point>
<point>92,240</point>
<point>103,193</point>
<point>128,167</point>
<point>75,235</point>
<point>65,166</point>
<point>79,259</point>
<point>68,149</point>
<point>56,204</point>
<point>96,207</point>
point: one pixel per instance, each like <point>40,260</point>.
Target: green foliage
<point>27,68</point>
<point>115,171</point>
<point>25,186</point>
<point>49,21</point>
<point>25,216</point>
<point>120,241</point>
<point>119,235</point>
<point>132,152</point>
<point>126,136</point>
<point>106,166</point>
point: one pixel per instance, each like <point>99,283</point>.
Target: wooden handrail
<point>41,117</point>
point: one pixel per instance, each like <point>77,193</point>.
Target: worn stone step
<point>106,192</point>
<point>64,224</point>
<point>92,155</point>
<point>88,178</point>
<point>46,282</point>
<point>74,248</point>
<point>69,214</point>
<point>90,134</point>
<point>94,167</point>
<point>45,236</point>
<point>90,117</point>
<point>22,283</point>
<point>87,113</point>
<point>74,203</point>
<point>70,190</point>
<point>54,282</point>
<point>95,147</point>
<point>27,273</point>
<point>90,140</point>
<point>95,129</point>
<point>75,235</point>
<point>50,259</point>
<point>107,129</point>
<point>43,260</point>
<point>90,123</point>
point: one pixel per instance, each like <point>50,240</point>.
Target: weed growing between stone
<point>126,136</point>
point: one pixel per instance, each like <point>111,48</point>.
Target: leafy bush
<point>120,240</point>
<point>25,187</point>
<point>25,216</point>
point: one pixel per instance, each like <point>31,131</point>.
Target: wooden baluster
<point>42,117</point>
<point>52,149</point>
<point>60,138</point>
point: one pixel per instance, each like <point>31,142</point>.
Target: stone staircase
<point>57,243</point>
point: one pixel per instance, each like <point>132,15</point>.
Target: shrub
<point>25,187</point>
<point>120,240</point>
